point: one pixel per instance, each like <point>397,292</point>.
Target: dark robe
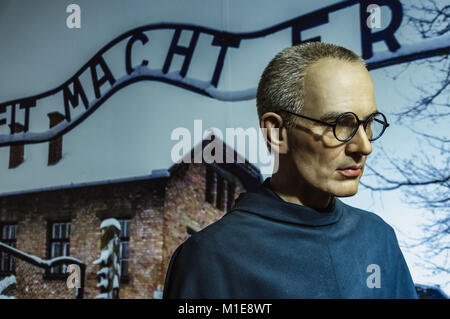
<point>268,248</point>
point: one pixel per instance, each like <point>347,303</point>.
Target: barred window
<point>219,190</point>
<point>59,245</point>
<point>7,236</point>
<point>124,251</point>
<point>210,187</point>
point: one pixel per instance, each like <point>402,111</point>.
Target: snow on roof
<point>254,176</point>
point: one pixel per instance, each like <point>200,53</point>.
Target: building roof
<point>248,174</point>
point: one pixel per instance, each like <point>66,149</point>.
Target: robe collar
<point>266,203</point>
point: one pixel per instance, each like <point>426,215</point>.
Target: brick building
<point>157,213</point>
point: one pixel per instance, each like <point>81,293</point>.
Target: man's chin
<point>345,194</point>
<point>346,190</point>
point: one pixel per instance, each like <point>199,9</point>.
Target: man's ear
<point>275,132</point>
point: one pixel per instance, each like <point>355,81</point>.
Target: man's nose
<point>360,142</point>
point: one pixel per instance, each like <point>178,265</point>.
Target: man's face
<point>332,86</point>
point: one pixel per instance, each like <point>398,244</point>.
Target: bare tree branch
<point>424,177</point>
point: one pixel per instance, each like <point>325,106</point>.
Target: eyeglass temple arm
<point>309,118</point>
<point>382,122</point>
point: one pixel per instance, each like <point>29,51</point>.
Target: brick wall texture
<point>159,210</point>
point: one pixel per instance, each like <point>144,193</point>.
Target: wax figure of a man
<point>294,238</point>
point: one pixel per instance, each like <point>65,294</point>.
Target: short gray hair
<point>282,83</point>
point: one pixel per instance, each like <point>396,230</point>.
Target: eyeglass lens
<point>348,124</point>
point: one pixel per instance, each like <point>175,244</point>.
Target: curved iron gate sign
<point>222,39</point>
<point>47,264</point>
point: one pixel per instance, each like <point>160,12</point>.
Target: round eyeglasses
<point>346,125</point>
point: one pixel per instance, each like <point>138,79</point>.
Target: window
<point>211,182</point>
<point>124,251</point>
<point>59,245</point>
<point>219,189</point>
<point>7,236</point>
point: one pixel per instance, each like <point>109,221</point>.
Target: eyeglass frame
<point>333,124</point>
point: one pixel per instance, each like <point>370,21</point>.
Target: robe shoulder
<point>374,230</point>
<point>194,266</point>
<point>369,222</point>
<point>243,254</point>
<point>206,263</point>
<point>374,227</point>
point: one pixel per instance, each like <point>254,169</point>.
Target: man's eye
<point>347,123</point>
<point>330,121</point>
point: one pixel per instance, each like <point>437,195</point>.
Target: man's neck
<point>293,191</point>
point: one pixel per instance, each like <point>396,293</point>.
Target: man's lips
<point>351,171</point>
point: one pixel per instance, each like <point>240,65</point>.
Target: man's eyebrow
<point>330,116</point>
<point>334,115</point>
